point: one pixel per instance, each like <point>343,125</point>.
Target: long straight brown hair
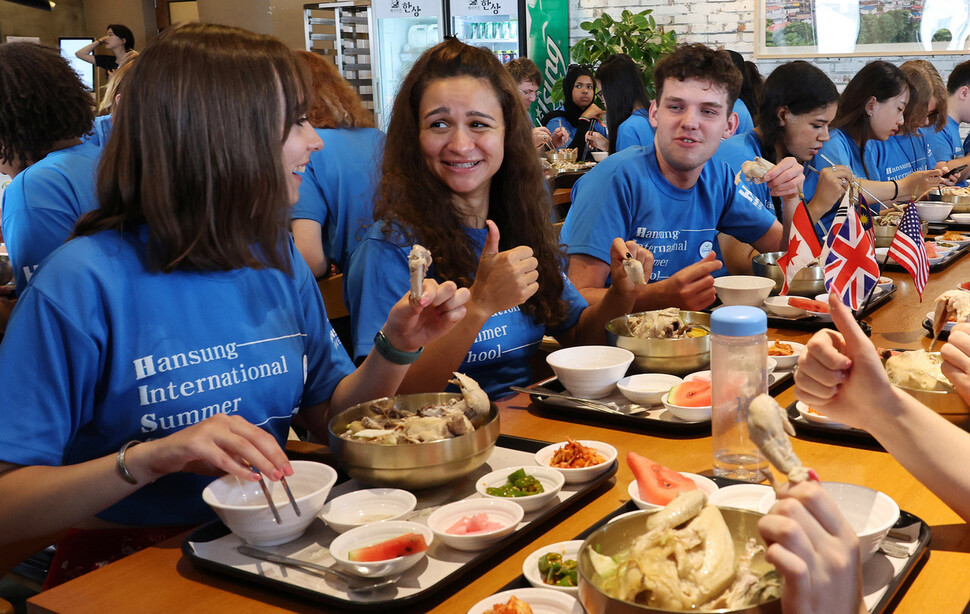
<point>419,206</point>
<point>196,150</point>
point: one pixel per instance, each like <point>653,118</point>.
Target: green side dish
<point>557,572</point>
<point>518,484</point>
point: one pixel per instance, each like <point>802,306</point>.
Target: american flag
<point>909,250</point>
<point>850,266</point>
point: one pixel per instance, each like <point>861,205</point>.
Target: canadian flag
<point>803,246</point>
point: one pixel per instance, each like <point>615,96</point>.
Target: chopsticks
<point>269,498</point>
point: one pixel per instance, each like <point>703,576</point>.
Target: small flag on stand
<point>851,270</point>
<point>837,222</point>
<point>803,246</point>
<point>909,250</point>
<point>865,216</point>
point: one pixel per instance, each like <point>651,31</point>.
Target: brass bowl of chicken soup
<point>420,451</point>
<point>919,374</point>
<point>810,281</point>
<point>604,589</point>
<point>670,340</point>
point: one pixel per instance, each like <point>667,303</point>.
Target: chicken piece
<point>769,428</point>
<point>634,269</point>
<point>419,261</point>
<point>952,305</point>
<point>753,171</point>
<point>663,324</point>
<point>475,398</point>
<point>685,506</point>
<point>423,430</point>
<point>458,424</point>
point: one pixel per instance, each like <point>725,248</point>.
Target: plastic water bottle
<point>739,357</point>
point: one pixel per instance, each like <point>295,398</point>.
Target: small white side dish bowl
<point>550,479</point>
<point>705,485</point>
<point>961,218</point>
<point>743,289</point>
<point>933,212</point>
<point>687,414</point>
<point>530,567</point>
<point>789,362</point>
<point>770,365</point>
<point>647,388</point>
<point>599,156</point>
<point>701,375</point>
<point>502,511</point>
<point>944,247</point>
<point>360,507</point>
<point>371,534</point>
<point>885,282</point>
<point>590,371</point>
<point>870,512</point>
<point>242,506</point>
<point>812,416</point>
<point>540,600</point>
<point>580,474</point>
<point>946,325</point>
<point>740,496</point>
<point>881,253</point>
<point>779,306</point>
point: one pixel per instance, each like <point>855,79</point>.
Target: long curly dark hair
<point>42,101</point>
<point>414,203</point>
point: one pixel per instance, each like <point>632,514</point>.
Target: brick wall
<point>729,23</point>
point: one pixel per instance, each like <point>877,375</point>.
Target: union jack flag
<point>909,250</point>
<point>850,266</point>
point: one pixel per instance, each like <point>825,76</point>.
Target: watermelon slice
<point>402,545</point>
<point>808,304</point>
<point>931,249</point>
<point>695,393</point>
<point>657,484</point>
<point>479,523</point>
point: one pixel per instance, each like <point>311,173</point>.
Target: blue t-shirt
<point>100,351</point>
<point>898,156</point>
<point>627,196</point>
<point>560,121</point>
<point>42,204</point>
<point>100,132</point>
<point>635,130</point>
<point>945,144</point>
<point>745,123</point>
<point>842,151</point>
<point>338,188</point>
<point>737,150</point>
<point>378,277</point>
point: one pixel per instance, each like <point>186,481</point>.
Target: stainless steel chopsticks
<point>269,498</point>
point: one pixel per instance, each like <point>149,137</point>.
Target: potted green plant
<point>635,34</point>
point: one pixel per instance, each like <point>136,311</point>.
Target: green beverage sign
<point>548,47</point>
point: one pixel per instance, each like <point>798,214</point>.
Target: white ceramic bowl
<point>789,362</point>
<point>647,388</point>
<point>687,414</point>
<point>530,567</point>
<point>944,247</point>
<point>705,485</point>
<point>701,375</point>
<point>770,365</point>
<point>779,306</point>
<point>550,479</point>
<point>371,534</point>
<point>947,326</point>
<point>933,212</point>
<point>885,282</point>
<point>817,418</point>
<point>740,496</point>
<point>590,371</point>
<point>961,218</point>
<point>502,511</point>
<point>599,156</point>
<point>242,506</point>
<point>870,512</point>
<point>580,474</point>
<point>743,289</point>
<point>360,507</point>
<point>540,600</point>
<point>881,253</point>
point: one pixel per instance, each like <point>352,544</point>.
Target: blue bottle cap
<point>739,321</point>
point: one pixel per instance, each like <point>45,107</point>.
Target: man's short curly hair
<point>524,69</point>
<point>42,101</point>
<point>700,62</point>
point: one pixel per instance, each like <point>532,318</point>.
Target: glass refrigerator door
<point>404,30</point>
<point>493,24</point>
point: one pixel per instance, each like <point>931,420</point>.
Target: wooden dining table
<point>160,579</point>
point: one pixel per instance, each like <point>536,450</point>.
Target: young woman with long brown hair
<point>460,177</point>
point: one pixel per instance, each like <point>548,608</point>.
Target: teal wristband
<point>391,353</point>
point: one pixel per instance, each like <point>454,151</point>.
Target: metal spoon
<point>354,583</point>
<point>594,404</point>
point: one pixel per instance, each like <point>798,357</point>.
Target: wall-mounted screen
<point>69,46</point>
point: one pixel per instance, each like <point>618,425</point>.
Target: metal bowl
<point>617,536</point>
<point>412,465</point>
<point>674,356</point>
<point>959,199</point>
<point>943,402</point>
<point>884,234</point>
<point>809,282</point>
